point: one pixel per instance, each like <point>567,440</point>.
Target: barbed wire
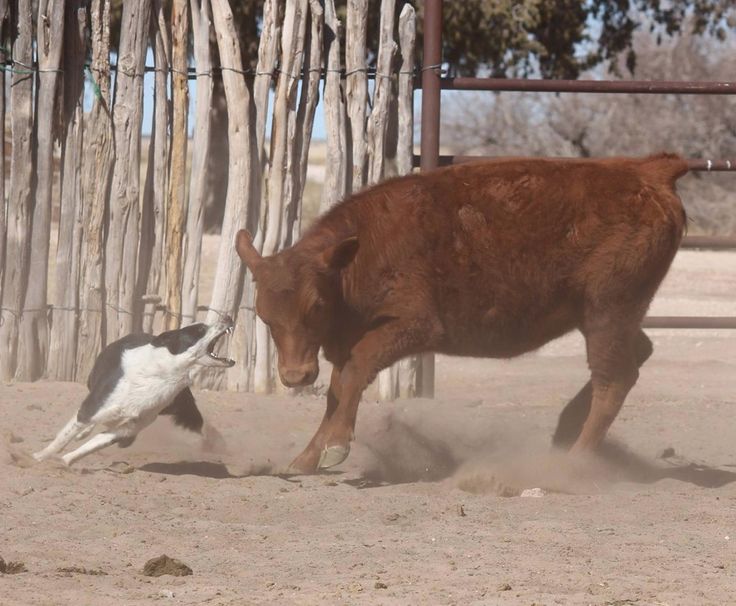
<point>192,73</point>
<point>157,308</point>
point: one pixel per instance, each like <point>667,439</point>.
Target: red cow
<point>489,259</point>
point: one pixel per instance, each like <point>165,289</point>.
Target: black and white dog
<point>134,380</point>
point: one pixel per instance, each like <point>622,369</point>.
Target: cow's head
<point>296,296</point>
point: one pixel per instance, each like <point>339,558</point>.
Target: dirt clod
<point>380,585</point>
<point>163,564</point>
<point>11,567</point>
<point>504,587</point>
<point>667,453</point>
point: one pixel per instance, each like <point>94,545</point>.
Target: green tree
<point>549,38</point>
<point>562,38</point>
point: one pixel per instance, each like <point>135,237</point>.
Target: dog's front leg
<point>73,429</point>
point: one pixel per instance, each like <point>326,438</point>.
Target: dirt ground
<point>428,509</point>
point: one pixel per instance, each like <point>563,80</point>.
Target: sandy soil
<point>427,509</point>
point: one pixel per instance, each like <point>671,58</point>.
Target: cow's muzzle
<point>299,376</point>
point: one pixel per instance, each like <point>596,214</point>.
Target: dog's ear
<point>247,252</point>
<point>169,340</point>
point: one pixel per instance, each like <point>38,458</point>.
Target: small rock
<point>166,593</point>
<point>532,492</point>
<point>504,587</point>
<point>380,585</point>
<point>667,453</point>
<point>163,564</point>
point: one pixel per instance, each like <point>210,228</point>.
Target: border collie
<point>134,380</point>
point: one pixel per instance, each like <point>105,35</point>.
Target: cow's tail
<point>664,170</point>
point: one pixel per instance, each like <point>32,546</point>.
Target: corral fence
<point>128,246</point>
<point>128,226</point>
<point>433,83</point>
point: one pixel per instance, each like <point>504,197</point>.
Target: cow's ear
<point>246,251</point>
<point>340,255</point>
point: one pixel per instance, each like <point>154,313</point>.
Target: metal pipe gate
<point>432,83</point>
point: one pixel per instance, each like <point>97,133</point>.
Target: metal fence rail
<point>432,83</point>
<point>646,87</point>
<point>694,164</point>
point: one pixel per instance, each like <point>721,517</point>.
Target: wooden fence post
<point>153,219</point>
<point>243,165</point>
<point>97,168</point>
<point>249,327</point>
<point>64,329</point>
<point>18,242</point>
<point>33,338</point>
<point>407,368</point>
<point>298,158</point>
<point>192,242</point>
<point>356,87</point>
<point>376,134</point>
<point>176,207</point>
<point>378,119</point>
<point>267,54</point>
<point>292,45</point>
<point>121,252</point>
<point>3,201</point>
<point>334,109</point>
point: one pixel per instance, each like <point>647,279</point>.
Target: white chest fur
<point>152,377</point>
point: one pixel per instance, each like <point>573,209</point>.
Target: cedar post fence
<point>431,100</point>
<point>123,229</point>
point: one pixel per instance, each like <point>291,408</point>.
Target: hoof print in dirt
<point>120,467</point>
<point>11,567</point>
<point>156,567</point>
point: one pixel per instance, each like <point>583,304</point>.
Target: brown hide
<point>486,259</point>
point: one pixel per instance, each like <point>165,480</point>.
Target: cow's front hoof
<point>305,464</point>
<point>333,455</point>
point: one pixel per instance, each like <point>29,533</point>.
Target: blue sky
<point>318,132</point>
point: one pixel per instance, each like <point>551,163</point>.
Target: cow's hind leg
<point>72,430</point>
<point>614,370</point>
<point>576,411</point>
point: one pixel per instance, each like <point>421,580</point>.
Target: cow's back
<point>508,252</point>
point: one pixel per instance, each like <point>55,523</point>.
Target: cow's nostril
<point>298,377</point>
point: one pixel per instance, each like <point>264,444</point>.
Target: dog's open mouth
<point>212,358</point>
